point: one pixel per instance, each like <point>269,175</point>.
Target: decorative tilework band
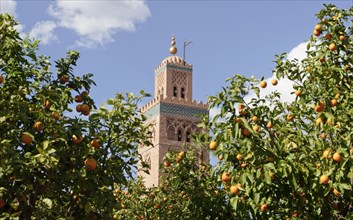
<point>171,109</point>
<point>171,66</point>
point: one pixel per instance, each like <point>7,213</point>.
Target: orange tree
<point>292,160</point>
<point>52,163</point>
<point>186,191</point>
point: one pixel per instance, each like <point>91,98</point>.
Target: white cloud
<point>8,6</point>
<point>97,21</point>
<point>44,31</point>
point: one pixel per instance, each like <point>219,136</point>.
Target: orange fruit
<point>333,102</point>
<point>2,203</point>
<point>264,207</point>
<point>64,79</point>
<point>246,132</point>
<point>269,125</point>
<point>166,164</point>
<point>85,109</point>
<point>79,108</point>
<point>1,79</point>
<point>78,98</point>
<point>38,126</point>
<point>47,104</point>
<point>336,192</point>
<point>298,92</point>
<point>319,121</point>
<point>326,153</point>
<point>337,157</point>
<point>55,115</point>
<point>243,165</point>
<point>182,154</point>
<point>95,143</point>
<point>226,177</point>
<point>322,59</point>
<point>323,135</point>
<point>84,93</point>
<point>235,189</point>
<point>90,164</point>
<point>318,27</point>
<point>274,82</point>
<point>324,179</point>
<point>213,145</point>
<point>239,157</point>
<point>328,36</point>
<point>77,140</point>
<point>256,128</point>
<point>320,107</point>
<point>263,84</point>
<point>290,117</point>
<point>295,214</point>
<point>342,38</point>
<point>332,47</point>
<point>220,157</point>
<point>329,121</point>
<point>316,33</point>
<point>254,118</point>
<point>26,139</point>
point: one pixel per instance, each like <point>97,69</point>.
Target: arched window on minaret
<point>188,136</point>
<point>179,135</point>
<point>182,93</point>
<point>175,91</point>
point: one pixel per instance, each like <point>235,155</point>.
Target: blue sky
<point>121,42</point>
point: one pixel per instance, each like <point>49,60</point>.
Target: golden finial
<point>173,50</point>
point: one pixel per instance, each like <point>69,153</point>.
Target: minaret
<point>173,113</point>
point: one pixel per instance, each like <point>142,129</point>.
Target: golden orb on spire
<point>173,50</point>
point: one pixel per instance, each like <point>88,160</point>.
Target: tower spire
<point>173,50</point>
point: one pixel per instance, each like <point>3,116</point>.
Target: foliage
<point>186,191</point>
<point>278,156</point>
<point>54,163</point>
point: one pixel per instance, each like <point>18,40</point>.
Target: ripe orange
<point>337,157</point>
<point>246,132</point>
<point>322,59</point>
<point>319,121</point>
<point>1,79</point>
<point>78,98</point>
<point>79,108</point>
<point>328,36</point>
<point>316,33</point>
<point>336,192</point>
<point>38,126</point>
<point>263,84</point>
<point>329,121</point>
<point>290,117</point>
<point>320,107</point>
<point>256,128</point>
<point>333,102</point>
<point>326,153</point>
<point>26,139</point>
<point>166,164</point>
<point>243,165</point>
<point>85,109</point>
<point>47,104</point>
<point>2,203</point>
<point>254,118</point>
<point>332,47</point>
<point>323,135</point>
<point>182,154</point>
<point>241,106</point>
<point>274,82</point>
<point>269,125</point>
<point>264,207</point>
<point>235,189</point>
<point>342,38</point>
<point>220,157</point>
<point>213,145</point>
<point>95,143</point>
<point>226,177</point>
<point>77,140</point>
<point>64,79</point>
<point>55,115</point>
<point>324,179</point>
<point>318,27</point>
<point>90,164</point>
<point>239,157</point>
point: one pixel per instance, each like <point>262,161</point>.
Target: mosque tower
<point>172,114</point>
